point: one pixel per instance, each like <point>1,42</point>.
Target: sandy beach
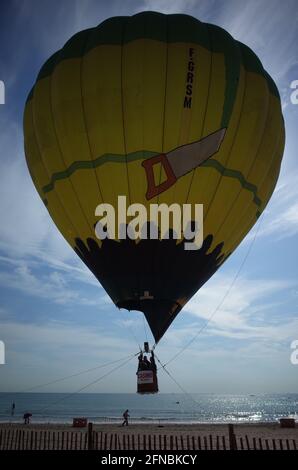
<point>263,430</point>
<point>182,435</point>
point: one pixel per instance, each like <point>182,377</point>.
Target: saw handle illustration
<point>153,189</point>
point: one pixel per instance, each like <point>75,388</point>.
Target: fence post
<point>260,444</point>
<point>111,442</point>
<point>20,441</point>
<point>254,443</point>
<point>232,438</point>
<point>274,444</point>
<point>90,435</point>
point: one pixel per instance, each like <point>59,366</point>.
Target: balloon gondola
<point>147,382</point>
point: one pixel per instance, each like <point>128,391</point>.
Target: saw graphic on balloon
<point>106,117</point>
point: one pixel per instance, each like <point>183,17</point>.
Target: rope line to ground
<point>223,298</point>
<point>69,395</point>
<point>76,374</point>
<point>163,367</point>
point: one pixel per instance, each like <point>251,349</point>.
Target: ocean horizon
<point>161,408</point>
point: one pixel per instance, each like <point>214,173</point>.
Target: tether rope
<point>222,300</point>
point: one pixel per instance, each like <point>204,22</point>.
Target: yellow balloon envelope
<point>160,109</point>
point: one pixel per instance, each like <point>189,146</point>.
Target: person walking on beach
<point>125,418</point>
<point>13,407</point>
<point>26,418</point>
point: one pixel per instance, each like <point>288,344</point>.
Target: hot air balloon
<point>161,109</point>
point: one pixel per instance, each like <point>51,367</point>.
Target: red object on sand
<point>287,423</point>
<point>79,422</point>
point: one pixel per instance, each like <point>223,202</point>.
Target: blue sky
<point>55,319</point>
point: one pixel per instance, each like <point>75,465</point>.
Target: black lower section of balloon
<point>159,313</point>
<point>156,277</point>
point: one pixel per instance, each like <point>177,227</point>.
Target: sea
<point>159,408</point>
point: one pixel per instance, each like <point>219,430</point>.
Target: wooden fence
<point>20,439</point>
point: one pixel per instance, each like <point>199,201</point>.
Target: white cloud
<point>43,353</point>
<point>38,354</point>
<point>281,214</point>
<point>26,227</point>
<point>168,7</point>
<point>53,286</point>
<point>28,236</point>
<point>244,314</point>
<point>268,27</point>
<point>59,335</point>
